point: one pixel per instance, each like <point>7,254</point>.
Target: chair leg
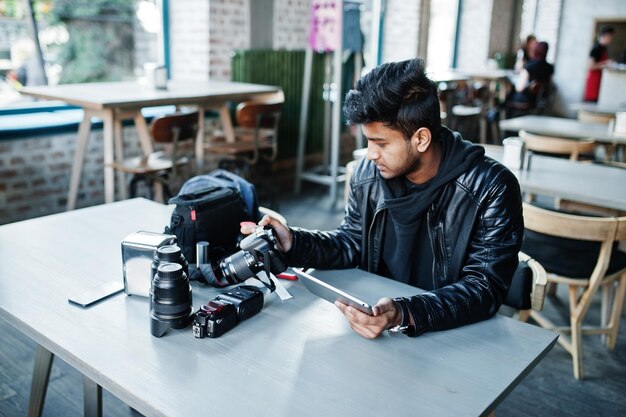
<point>577,347</point>
<point>523,315</point>
<point>608,295</point>
<point>616,313</point>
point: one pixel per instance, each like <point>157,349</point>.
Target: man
<point>426,208</point>
<point>598,60</point>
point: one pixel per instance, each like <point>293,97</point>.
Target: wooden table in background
<point>114,102</point>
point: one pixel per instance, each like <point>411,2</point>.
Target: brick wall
<point>229,28</point>
<point>35,174</point>
<point>547,24</point>
<point>189,39</point>
<point>401,30</point>
<point>291,24</point>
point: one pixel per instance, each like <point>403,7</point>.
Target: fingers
<point>248,227</point>
<point>384,305</point>
<point>367,326</point>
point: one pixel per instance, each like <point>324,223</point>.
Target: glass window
<point>81,41</point>
<point>441,34</point>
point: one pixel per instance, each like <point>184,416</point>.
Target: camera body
<point>226,310</point>
<point>259,251</point>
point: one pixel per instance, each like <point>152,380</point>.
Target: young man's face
<point>606,39</point>
<point>391,152</point>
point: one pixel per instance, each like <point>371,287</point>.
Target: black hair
<point>604,30</point>
<point>399,95</point>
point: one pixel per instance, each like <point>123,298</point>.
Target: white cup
<point>160,78</point>
<point>514,152</point>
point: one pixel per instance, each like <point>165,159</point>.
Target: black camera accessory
<point>170,299</point>
<point>214,319</point>
<point>259,252</point>
<point>247,299</point>
<point>169,254</point>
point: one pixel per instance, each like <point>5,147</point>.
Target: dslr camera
<point>259,252</point>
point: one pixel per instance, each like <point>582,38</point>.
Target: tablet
<point>328,292</point>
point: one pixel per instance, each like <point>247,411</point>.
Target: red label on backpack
<point>193,215</point>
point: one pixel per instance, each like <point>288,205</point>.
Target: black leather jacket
<point>476,230</point>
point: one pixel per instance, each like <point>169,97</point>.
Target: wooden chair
<point>580,252</point>
<point>528,287</point>
<point>256,133</point>
<point>162,167</point>
<point>591,117</point>
<point>572,148</point>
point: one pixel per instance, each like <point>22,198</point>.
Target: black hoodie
<point>407,254</point>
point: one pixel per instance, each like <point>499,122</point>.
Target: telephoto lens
<point>170,299</point>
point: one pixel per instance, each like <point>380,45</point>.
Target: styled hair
<point>399,95</point>
<point>540,51</point>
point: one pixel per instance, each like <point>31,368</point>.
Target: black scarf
<point>407,203</point>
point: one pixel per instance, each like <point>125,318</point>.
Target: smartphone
<point>96,294</point>
<point>329,293</point>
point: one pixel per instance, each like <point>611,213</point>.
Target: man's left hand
<point>386,315</point>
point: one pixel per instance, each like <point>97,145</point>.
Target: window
<point>442,32</point>
<point>80,40</point>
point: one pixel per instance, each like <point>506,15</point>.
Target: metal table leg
<point>92,396</point>
<point>39,384</point>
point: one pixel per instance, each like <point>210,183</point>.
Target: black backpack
<point>211,211</point>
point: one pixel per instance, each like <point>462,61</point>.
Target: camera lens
<point>170,299</point>
<point>169,254</point>
<point>240,266</point>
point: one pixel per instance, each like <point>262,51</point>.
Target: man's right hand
<point>283,234</point>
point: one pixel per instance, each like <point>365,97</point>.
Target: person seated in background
<point>535,77</point>
<point>525,53</point>
<point>425,208</point>
<point>598,59</point>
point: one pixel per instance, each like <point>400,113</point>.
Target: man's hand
<point>283,234</point>
<point>386,315</point>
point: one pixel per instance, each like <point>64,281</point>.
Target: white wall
<point>576,40</point>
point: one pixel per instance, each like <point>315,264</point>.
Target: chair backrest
<point>254,114</point>
<point>591,117</point>
<point>605,230</point>
<point>539,281</point>
<point>558,146</point>
<point>164,128</point>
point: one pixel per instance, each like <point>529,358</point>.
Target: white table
<point>295,358</point>
<point>114,102</point>
<point>561,127</point>
<point>586,183</point>
<point>597,109</point>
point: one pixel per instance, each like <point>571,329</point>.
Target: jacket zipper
<point>432,247</point>
<point>369,240</point>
